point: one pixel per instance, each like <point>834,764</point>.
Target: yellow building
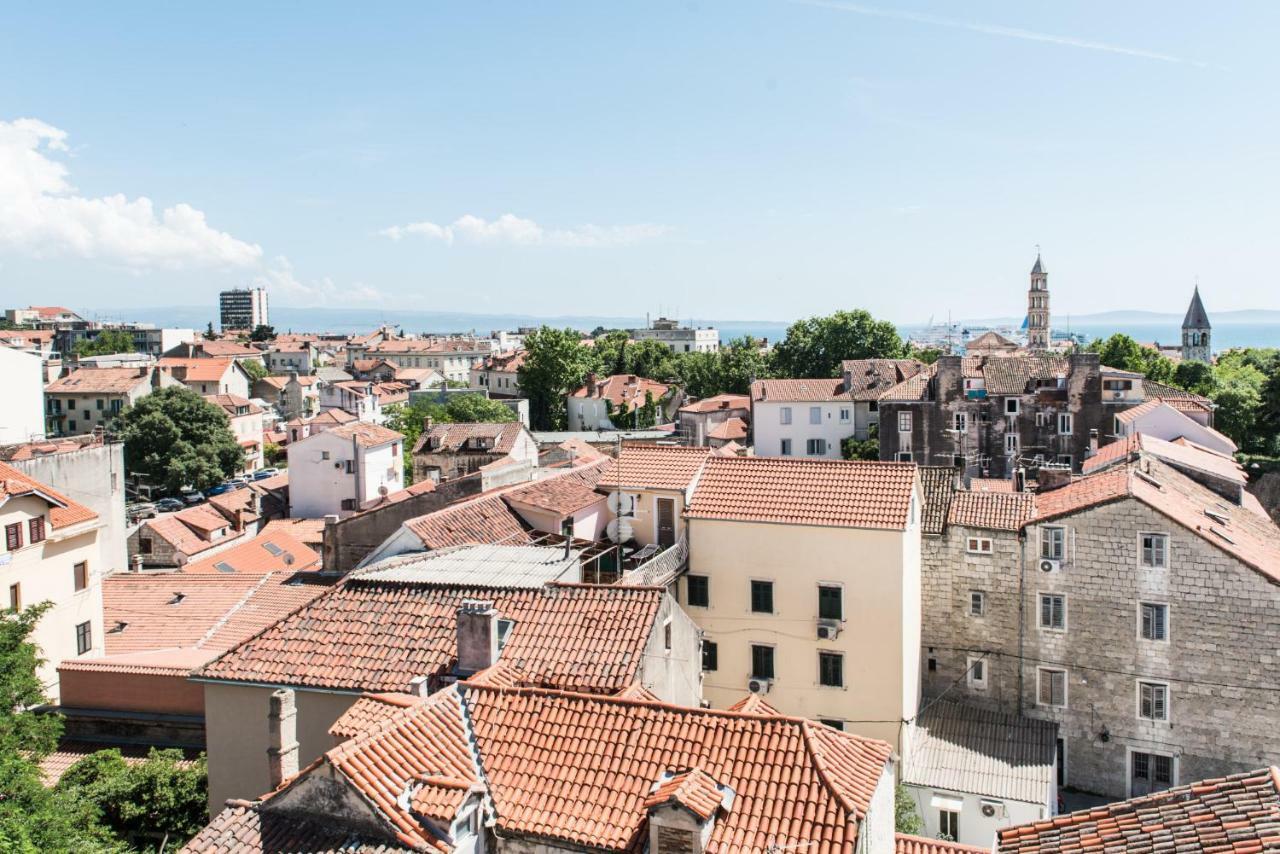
<point>804,576</point>
<point>50,553</point>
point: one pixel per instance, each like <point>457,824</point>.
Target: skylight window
<point>273,548</point>
<point>223,566</point>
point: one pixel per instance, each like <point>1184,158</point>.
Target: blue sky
<point>754,159</point>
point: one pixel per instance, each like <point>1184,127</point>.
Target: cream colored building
<point>804,576</point>
<point>649,488</point>
<point>49,552</point>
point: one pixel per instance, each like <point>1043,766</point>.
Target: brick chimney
<point>477,636</point>
<point>282,736</point>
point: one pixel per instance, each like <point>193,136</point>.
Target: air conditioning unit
<point>991,808</point>
<point>1047,565</point>
<point>828,630</point>
<point>759,686</point>
<point>1117,395</point>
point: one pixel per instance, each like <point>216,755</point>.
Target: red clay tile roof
<point>509,361</point>
<point>214,349</point>
<point>914,388</point>
<point>805,492</point>
<point>365,434</point>
<point>731,429</point>
<point>327,418</point>
<point>49,447</point>
<point>906,844</point>
<point>310,532</point>
<point>100,381</point>
<point>215,612</point>
<point>797,391</point>
<point>71,751</point>
<point>231,402</point>
<point>693,789</point>
<point>570,636</point>
<point>174,529</point>
<point>753,704</point>
<point>450,438</point>
<point>196,370</point>
<point>867,379</point>
<point>796,783</point>
<point>625,391</point>
<point>637,691</point>
<point>1238,813</point>
<point>1131,414</point>
<point>720,401</point>
<point>369,710</point>
<point>483,519</point>
<point>1181,454</point>
<point>997,511</point>
<point>276,551</point>
<point>655,467</point>
<point>241,828</point>
<point>990,340</point>
<point>564,495</point>
<point>63,512</point>
<point>937,484</point>
<point>990,484</point>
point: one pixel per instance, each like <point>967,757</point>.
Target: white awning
<point>950,803</point>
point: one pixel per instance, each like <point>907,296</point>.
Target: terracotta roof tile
<point>277,551</point>
<point>625,391</point>
<point>798,391</point>
<point>990,484</point>
<point>196,370</point>
<point>71,751</point>
<point>509,361</point>
<point>365,434</point>
<point>63,512</point>
<point>867,379</point>
<point>451,438</point>
<point>805,492</point>
<point>730,429</point>
<point>719,402</point>
<point>379,636</point>
<point>754,704</point>
<point>484,519</point>
<point>906,844</point>
<point>564,495</point>
<point>310,532</point>
<point>694,789</point>
<point>911,389</point>
<point>242,828</point>
<point>997,511</point>
<point>100,381</point>
<point>655,467</point>
<point>369,710</point>
<point>1238,813</point>
<point>938,484</point>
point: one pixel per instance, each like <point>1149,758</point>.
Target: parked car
<point>141,510</point>
<point>218,490</point>
<point>168,505</point>
<point>263,474</point>
<point>192,497</point>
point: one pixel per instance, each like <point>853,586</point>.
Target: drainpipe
<point>1022,606</point>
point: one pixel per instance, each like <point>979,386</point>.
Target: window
<point>1053,611</point>
<point>1042,419</point>
<point>99,404</point>
<point>15,596</point>
<point>832,722</point>
<point>831,669</point>
<point>35,528</point>
<point>699,590</point>
<point>846,415</point>
<point>84,638</point>
<point>324,455</point>
<point>960,422</point>
<point>144,545</point>
<point>13,536</point>
<point>1066,460</point>
<point>666,636</point>
<point>977,672</point>
<point>1154,621</point>
<point>1012,406</point>
<point>1064,423</point>
<point>1053,543</point>
<point>784,415</point>
<point>815,447</point>
<point>977,603</point>
<point>1011,443</point>
<point>902,457</point>
<point>1153,701</point>
<point>815,414</point>
<point>710,655</point>
<point>1150,772</point>
<point>904,422</point>
<point>979,545</point>
<point>1051,687</point>
<point>71,426</point>
<point>873,406</point>
<point>830,602</point>
<point>762,597</point>
<point>1155,550</point>
<point>761,661</point>
<point>81,575</point>
<point>786,447</point>
<point>948,824</point>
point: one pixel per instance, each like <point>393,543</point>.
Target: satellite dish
<point>382,490</point>
<point>622,503</point>
<point>619,530</point>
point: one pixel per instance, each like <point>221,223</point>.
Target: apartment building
<point>208,376</point>
<point>804,576</point>
<point>245,419</point>
<point>22,389</point>
<point>800,418</point>
<point>341,470</point>
<point>608,403</point>
<point>499,373</point>
<point>681,339</point>
<point>243,309</point>
<point>449,451</point>
<point>715,421</point>
<point>451,357</point>
<point>91,398</point>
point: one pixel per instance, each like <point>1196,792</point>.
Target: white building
<point>800,418</point>
<point>451,357</point>
<point>298,357</point>
<point>51,554</point>
<point>681,339</point>
<point>22,390</point>
<point>243,308</point>
<point>339,471</point>
<point>499,374</point>
<point>245,418</point>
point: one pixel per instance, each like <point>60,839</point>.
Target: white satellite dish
<point>619,530</point>
<point>622,503</point>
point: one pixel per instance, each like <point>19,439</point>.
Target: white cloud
<point>40,213</point>
<point>283,284</point>
<point>511,230</point>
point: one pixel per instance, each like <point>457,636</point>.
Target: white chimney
<point>477,636</point>
<point>282,736</point>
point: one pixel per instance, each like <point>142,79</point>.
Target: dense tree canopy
<point>409,418</point>
<point>815,346</point>
<point>255,369</point>
<point>262,332</point>
<point>1123,352</point>
<point>108,343</point>
<point>555,363</point>
<point>177,438</point>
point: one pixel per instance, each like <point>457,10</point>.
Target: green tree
<point>611,350</point>
<point>1195,377</point>
<point>255,369</point>
<point>741,363</point>
<point>34,818</point>
<point>862,449</point>
<point>409,418</point>
<point>928,355</point>
<point>155,805</point>
<point>262,332</point>
<point>1238,398</point>
<point>555,364</point>
<point>905,817</point>
<point>108,343</point>
<point>815,346</point>
<point>651,359</point>
<point>177,438</point>
<point>1120,351</point>
<point>699,374</point>
<point>646,415</point>
<point>209,334</point>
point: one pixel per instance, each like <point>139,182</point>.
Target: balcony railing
<point>662,569</point>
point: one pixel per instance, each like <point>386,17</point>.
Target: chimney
<point>135,563</point>
<point>420,686</point>
<point>1020,479</point>
<point>428,423</point>
<point>477,636</point>
<point>1093,441</point>
<point>591,383</point>
<point>282,736</point>
<point>255,502</point>
<point>1052,478</point>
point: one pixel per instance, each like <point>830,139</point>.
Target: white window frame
<point>846,415</point>
<point>1167,632</point>
<point>954,822</point>
<point>979,545</point>
<point>976,682</point>
<point>784,415</point>
<point>1066,687</point>
<point>1062,552</point>
<point>1042,419</point>
<point>815,447</point>
<point>904,422</point>
<point>1141,549</point>
<point>1168,700</point>
<point>815,414</point>
<point>784,448</point>
<point>1011,443</point>
<point>1128,769</point>
<point>1012,406</point>
<point>902,457</point>
<point>979,598</point>
<point>1065,420</point>
<point>1040,623</point>
<point>960,422</point>
<point>1066,460</point>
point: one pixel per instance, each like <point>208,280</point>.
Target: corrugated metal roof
<point>961,748</point>
<point>480,565</point>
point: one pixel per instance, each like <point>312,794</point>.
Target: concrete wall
<point>975,828</point>
<point>768,431</point>
<point>644,522</point>
<point>877,832</point>
<point>93,476</point>
<point>674,675</point>
<point>873,566</point>
<point>318,485</point>
<point>22,390</point>
<point>1165,422</point>
<point>131,692</point>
